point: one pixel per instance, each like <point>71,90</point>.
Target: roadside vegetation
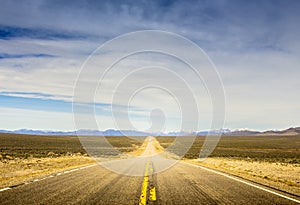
<point>270,160</point>
<point>27,157</point>
<point>278,149</point>
<point>14,146</point>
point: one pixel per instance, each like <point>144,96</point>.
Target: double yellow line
<point>143,196</point>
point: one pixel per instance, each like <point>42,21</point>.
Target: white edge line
<point>64,172</point>
<point>242,181</point>
<point>6,188</point>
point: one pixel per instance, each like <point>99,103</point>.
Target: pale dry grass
<point>18,171</point>
<point>158,148</point>
<point>138,150</point>
<point>281,176</point>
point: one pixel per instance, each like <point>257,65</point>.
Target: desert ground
<point>272,161</point>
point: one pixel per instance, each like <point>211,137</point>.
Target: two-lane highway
<point>181,184</point>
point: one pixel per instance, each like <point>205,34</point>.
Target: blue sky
<point>255,46</point>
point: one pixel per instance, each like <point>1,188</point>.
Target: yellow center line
<point>145,185</point>
<point>143,197</point>
<point>152,196</point>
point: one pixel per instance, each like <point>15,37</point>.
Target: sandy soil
<point>18,171</point>
<point>276,175</point>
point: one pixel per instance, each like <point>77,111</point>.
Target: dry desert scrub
<point>27,157</point>
<point>16,171</point>
<point>281,176</point>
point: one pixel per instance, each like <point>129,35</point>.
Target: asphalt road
<point>180,184</point>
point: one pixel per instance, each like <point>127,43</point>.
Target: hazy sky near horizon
<point>255,46</point>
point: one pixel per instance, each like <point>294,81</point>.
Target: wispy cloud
<point>35,103</point>
<point>42,96</point>
<point>10,32</point>
<point>28,55</point>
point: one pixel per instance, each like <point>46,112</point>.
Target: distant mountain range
<point>109,132</point>
<point>112,132</point>
<point>286,132</point>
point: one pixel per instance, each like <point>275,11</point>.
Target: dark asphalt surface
<point>181,184</point>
